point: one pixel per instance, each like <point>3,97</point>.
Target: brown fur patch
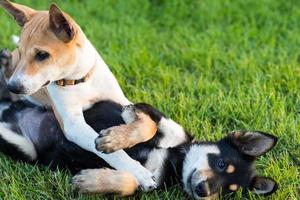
<point>36,36</point>
<point>233,187</point>
<point>128,135</point>
<point>105,181</point>
<point>230,169</point>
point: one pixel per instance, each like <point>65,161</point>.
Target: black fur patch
<point>154,114</point>
<point>12,150</point>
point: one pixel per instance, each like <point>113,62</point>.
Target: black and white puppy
<point>32,134</point>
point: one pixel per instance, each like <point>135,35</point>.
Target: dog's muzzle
<point>16,88</point>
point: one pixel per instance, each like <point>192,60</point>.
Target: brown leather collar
<point>64,82</point>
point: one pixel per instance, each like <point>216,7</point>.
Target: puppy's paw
<point>5,58</point>
<point>112,139</point>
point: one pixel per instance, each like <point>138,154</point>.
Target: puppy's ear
<point>253,143</point>
<point>60,24</point>
<point>263,185</point>
<point>22,14</point>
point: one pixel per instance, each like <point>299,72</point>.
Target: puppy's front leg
<point>142,123</point>
<point>68,110</point>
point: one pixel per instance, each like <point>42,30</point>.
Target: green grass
<point>212,65</point>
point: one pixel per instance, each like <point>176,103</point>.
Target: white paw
<point>146,180</point>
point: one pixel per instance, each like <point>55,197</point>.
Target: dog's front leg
<point>68,111</point>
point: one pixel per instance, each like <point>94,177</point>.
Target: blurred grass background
<point>212,65</point>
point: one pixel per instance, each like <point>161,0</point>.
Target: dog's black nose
<point>201,189</point>
<point>15,88</point>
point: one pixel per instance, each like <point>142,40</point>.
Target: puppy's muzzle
<point>202,189</point>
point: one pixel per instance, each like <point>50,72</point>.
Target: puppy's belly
<point>39,126</point>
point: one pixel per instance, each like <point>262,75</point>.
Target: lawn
<point>212,65</point>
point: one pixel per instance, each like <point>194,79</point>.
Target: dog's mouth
<point>47,83</point>
<point>193,193</point>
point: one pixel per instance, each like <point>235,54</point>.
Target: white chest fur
<point>155,162</point>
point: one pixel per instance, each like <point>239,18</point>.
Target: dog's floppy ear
<point>253,143</point>
<point>60,24</point>
<point>263,185</point>
<point>22,14</point>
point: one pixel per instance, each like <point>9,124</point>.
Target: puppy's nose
<point>15,87</point>
<point>202,189</point>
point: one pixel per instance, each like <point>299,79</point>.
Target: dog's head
<point>227,165</point>
<point>48,50</point>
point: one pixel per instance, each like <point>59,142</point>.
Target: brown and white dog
<point>56,65</point>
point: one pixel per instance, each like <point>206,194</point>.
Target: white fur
<point>15,39</point>
<point>30,83</point>
<point>24,144</point>
<point>197,159</point>
<point>128,114</point>
<point>173,133</point>
<point>155,162</point>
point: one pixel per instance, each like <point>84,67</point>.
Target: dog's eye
<point>221,164</point>
<point>42,55</point>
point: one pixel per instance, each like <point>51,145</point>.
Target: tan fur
<point>126,136</point>
<point>206,173</point>
<point>211,197</point>
<point>33,39</point>
<point>233,187</point>
<point>105,181</point>
<point>230,169</point>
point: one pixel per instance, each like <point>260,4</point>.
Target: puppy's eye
<point>42,55</point>
<point>221,164</point>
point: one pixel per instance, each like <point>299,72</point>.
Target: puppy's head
<point>227,165</point>
<point>48,46</point>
